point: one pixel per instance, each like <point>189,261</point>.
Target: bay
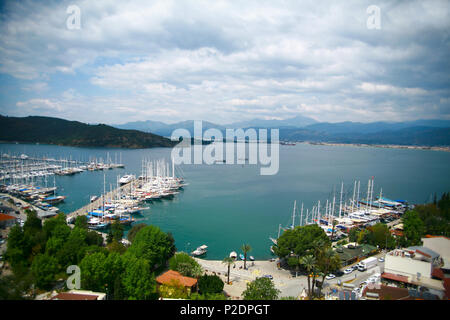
<point>225,206</point>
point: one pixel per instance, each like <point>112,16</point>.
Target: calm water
<point>225,206</point>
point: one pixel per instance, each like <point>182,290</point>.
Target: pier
<point>97,203</point>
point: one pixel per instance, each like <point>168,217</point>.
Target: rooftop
<point>4,217</point>
<point>79,295</point>
<point>170,276</point>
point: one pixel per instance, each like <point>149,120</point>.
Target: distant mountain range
<point>420,132</point>
<point>73,133</point>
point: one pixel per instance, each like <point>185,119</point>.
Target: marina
<point>224,206</point>
<point>337,218</point>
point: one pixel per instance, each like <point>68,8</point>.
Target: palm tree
<point>228,261</point>
<point>332,231</point>
<point>309,262</point>
<point>245,248</point>
<point>329,260</point>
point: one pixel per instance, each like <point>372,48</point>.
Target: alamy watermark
<point>73,21</point>
<point>74,281</point>
<point>258,146</point>
<point>374,19</point>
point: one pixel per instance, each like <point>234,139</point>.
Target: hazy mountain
<point>74,133</point>
<point>146,126</point>
<point>298,122</point>
<point>420,136</point>
<point>420,132</point>
<point>373,127</point>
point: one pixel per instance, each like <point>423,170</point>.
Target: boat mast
<point>353,200</point>
<point>318,213</point>
<point>293,214</point>
<point>371,194</point>
<point>357,201</point>
<point>301,216</point>
<point>340,202</point>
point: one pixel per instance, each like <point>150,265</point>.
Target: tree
<point>44,269</point>
<point>413,228</point>
<point>51,224</point>
<point>134,230</point>
<point>309,262</point>
<point>137,280</point>
<point>95,272</point>
<point>210,284</point>
<point>353,235</point>
<point>33,223</point>
<point>228,261</point>
<point>81,222</point>
<point>185,264</point>
<point>382,237</point>
<point>327,260</point>
<point>153,245</point>
<point>299,241</point>
<point>117,230</point>
<point>245,248</point>
<point>261,289</point>
<point>72,250</point>
<point>18,250</point>
<point>173,290</point>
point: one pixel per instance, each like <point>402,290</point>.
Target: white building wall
<point>439,245</point>
<point>406,266</point>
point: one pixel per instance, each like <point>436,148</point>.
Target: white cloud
<point>224,61</point>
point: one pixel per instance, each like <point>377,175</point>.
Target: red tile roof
<point>170,276</point>
<point>438,273</point>
<point>74,296</point>
<point>4,217</point>
<point>395,277</point>
<point>447,288</point>
<point>431,236</point>
<point>389,293</point>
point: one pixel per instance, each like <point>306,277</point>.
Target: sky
<point>225,61</point>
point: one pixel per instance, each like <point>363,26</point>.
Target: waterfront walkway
<point>239,277</point>
<point>97,203</point>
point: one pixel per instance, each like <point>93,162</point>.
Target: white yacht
<point>126,179</point>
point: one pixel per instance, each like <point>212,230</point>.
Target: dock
<point>97,203</point>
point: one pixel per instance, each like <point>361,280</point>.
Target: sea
<point>225,206</point>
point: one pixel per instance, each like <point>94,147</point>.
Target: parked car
<point>348,270</point>
<point>268,276</point>
<point>338,273</point>
<point>330,276</point>
<point>381,259</point>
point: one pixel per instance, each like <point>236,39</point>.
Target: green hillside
<point>73,133</point>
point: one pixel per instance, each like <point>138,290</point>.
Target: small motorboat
<point>241,256</point>
<point>233,255</point>
<point>252,258</point>
<point>200,251</point>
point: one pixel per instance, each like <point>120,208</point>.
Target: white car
<point>348,270</point>
<point>330,276</point>
<point>381,259</point>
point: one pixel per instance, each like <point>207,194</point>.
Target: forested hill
<point>73,133</point>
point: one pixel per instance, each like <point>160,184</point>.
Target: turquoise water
<point>225,206</point>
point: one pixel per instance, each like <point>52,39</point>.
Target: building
<point>440,245</point>
<point>384,292</point>
<point>7,220</point>
<point>79,295</point>
<point>169,277</point>
<point>412,268</point>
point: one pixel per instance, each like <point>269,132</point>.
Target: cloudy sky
<point>225,61</point>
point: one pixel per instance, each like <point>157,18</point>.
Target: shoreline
<point>386,146</point>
